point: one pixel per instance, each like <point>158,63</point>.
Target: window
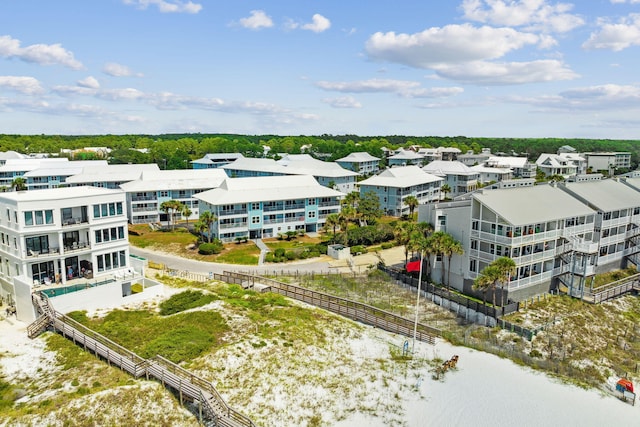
<point>107,209</point>
<point>255,206</point>
<point>255,220</point>
<point>163,194</point>
<point>472,265</point>
<point>28,218</point>
<point>39,218</point>
<point>312,214</point>
<point>312,202</point>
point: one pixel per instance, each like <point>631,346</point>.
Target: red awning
<point>413,266</point>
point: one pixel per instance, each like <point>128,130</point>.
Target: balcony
<point>295,219</point>
<point>233,225</point>
<point>269,208</point>
<point>146,209</point>
<point>42,253</point>
<point>295,206</point>
<point>74,221</point>
<point>143,198</point>
<point>233,212</point>
<point>76,247</point>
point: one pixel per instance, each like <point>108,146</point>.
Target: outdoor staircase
<point>212,409</point>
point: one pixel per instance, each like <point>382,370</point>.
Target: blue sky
<point>502,68</point>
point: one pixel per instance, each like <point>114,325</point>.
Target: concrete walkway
<point>263,250</point>
<point>323,264</point>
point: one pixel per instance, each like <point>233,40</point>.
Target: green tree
<point>369,207</point>
<point>445,189</point>
<point>450,248</point>
<point>171,208</point>
<point>19,184</point>
<point>412,202</point>
<point>186,212</point>
<point>404,233</point>
<point>205,223</point>
<point>507,268</point>
<point>333,221</point>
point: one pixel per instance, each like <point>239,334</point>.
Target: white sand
<point>489,391</point>
<point>484,390</point>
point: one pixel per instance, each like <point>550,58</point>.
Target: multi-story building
<point>617,222</point>
<point>58,235</point>
<point>459,177</point>
<point>146,194</point>
<point>405,158</point>
<point>520,166</point>
<point>556,164</point>
<point>392,186</point>
<point>110,176</point>
<point>17,167</point>
<point>215,160</point>
<point>492,175</point>
<point>361,162</point>
<point>262,207</point>
<point>328,174</point>
<point>607,162</point>
<point>551,242</point>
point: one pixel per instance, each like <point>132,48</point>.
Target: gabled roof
<point>266,188</point>
<point>360,156</point>
<point>111,173</point>
<point>401,177</point>
<point>605,195</point>
<point>180,179</point>
<point>304,164</point>
<point>64,168</point>
<point>532,205</point>
<point>443,168</point>
<point>406,155</point>
<point>57,193</point>
<point>506,162</point>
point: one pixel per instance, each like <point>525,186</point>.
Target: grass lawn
<point>297,243</point>
<point>182,243</point>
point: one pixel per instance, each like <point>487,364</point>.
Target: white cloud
<point>530,14</point>
<point>372,85</point>
<point>616,36</point>
<point>258,19</point>
<point>42,54</point>
<point>506,73</point>
<point>467,54</point>
<point>343,102</point>
<point>26,85</point>
<point>625,1</point>
<point>447,45</point>
<point>119,70</point>
<point>164,6</point>
<point>318,24</point>
<point>592,98</point>
<point>405,88</point>
<point>89,82</point>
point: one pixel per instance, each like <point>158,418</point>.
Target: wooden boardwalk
<point>212,409</point>
<point>344,307</point>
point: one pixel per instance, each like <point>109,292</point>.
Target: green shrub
<point>358,249</point>
<point>184,301</point>
<point>387,245</point>
<point>290,255</point>
<point>321,248</point>
<point>278,253</point>
<point>214,247</point>
<point>269,257</point>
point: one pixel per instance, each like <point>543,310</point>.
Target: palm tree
<point>171,207</point>
<point>483,283</point>
<point>451,247</point>
<point>507,268</point>
<point>207,218</point>
<point>333,221</point>
<point>404,234</point>
<point>445,189</point>
<point>351,199</point>
<point>19,184</point>
<point>412,203</point>
<point>186,212</point>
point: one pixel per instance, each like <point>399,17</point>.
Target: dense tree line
<point>174,151</point>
